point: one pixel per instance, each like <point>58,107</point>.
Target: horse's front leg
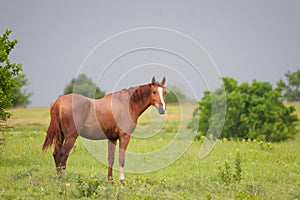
<point>111,157</point>
<point>124,140</point>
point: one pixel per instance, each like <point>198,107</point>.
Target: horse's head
<point>158,95</point>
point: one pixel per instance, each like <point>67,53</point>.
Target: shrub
<point>175,95</point>
<point>84,86</point>
<point>252,112</point>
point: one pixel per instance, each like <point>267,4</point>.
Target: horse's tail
<point>53,131</point>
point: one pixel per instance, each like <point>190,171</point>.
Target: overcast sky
<point>246,40</point>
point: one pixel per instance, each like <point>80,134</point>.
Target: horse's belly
<point>93,133</point>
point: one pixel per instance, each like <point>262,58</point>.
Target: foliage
<point>87,189</point>
<point>237,176</point>
<point>20,95</point>
<point>252,111</point>
<point>8,73</point>
<point>243,195</point>
<point>174,95</point>
<point>229,176</point>
<point>2,143</point>
<point>291,89</point>
<point>84,86</point>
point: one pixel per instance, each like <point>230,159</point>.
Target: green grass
<point>268,170</point>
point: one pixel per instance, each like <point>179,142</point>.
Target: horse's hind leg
<point>111,158</point>
<point>57,153</point>
<point>65,151</point>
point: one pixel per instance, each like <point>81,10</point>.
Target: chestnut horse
<point>113,117</point>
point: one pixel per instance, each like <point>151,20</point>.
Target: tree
<point>252,112</point>
<point>8,73</point>
<point>291,90</point>
<point>84,86</point>
<point>20,95</point>
<point>174,95</point>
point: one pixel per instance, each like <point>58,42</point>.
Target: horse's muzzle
<point>161,109</point>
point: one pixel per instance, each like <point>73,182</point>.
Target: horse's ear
<point>153,79</point>
<point>163,81</point>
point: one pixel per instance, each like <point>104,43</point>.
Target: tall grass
<point>257,171</point>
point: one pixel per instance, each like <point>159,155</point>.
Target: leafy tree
<point>8,73</point>
<point>252,112</point>
<point>20,95</point>
<point>174,95</point>
<point>291,90</point>
<point>84,86</point>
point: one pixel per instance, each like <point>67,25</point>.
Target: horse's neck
<point>141,108</point>
<point>140,100</point>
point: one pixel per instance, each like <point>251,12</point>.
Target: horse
<point>113,117</point>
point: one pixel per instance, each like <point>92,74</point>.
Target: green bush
<point>84,86</point>
<point>252,112</point>
<point>175,95</point>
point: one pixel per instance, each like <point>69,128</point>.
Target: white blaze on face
<point>160,91</point>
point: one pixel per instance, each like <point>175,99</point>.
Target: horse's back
<point>95,118</point>
<point>74,101</point>
<point>89,118</point>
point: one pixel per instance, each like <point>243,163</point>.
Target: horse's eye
<point>154,92</point>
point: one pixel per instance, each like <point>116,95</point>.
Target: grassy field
<point>233,170</point>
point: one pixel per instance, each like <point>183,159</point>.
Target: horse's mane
<point>140,93</point>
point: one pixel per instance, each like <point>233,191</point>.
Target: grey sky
<point>246,39</point>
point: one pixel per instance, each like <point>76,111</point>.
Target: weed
<point>24,174</point>
<point>87,188</point>
<point>243,195</point>
<point>238,167</point>
<point>2,143</point>
<point>265,146</point>
<point>227,175</point>
<point>208,196</point>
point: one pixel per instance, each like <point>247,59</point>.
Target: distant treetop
<point>84,86</point>
<point>291,89</point>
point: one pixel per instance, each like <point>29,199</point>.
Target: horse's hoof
<point>122,181</point>
<point>60,170</point>
<point>111,179</point>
